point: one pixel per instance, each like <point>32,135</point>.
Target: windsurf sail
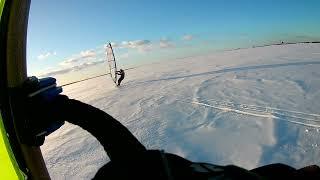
<point>112,63</point>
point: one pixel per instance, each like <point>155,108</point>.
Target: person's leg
<point>119,81</point>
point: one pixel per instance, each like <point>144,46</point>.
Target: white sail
<point>112,63</point>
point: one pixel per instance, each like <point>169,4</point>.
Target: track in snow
<point>300,118</point>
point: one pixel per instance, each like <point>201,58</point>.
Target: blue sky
<point>68,36</point>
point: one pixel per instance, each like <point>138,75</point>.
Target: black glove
<point>44,117</point>
<point>38,109</point>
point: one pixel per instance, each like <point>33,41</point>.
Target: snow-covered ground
<point>247,107</point>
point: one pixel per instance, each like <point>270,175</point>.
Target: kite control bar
<point>32,128</point>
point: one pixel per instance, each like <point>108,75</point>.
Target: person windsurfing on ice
<point>122,74</point>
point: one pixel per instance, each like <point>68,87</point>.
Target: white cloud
<point>69,61</point>
<point>53,72</point>
<point>165,43</point>
<point>135,44</point>
<point>140,45</point>
<point>113,44</point>
<point>146,48</point>
<point>83,55</point>
<point>124,56</point>
<point>46,55</point>
<point>90,57</point>
<point>143,45</point>
<point>88,53</point>
<point>187,37</point>
<point>85,65</point>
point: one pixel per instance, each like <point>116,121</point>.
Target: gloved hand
<point>44,117</point>
<point>38,106</point>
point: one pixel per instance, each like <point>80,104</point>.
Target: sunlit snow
<point>248,107</point>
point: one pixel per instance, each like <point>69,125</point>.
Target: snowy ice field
<point>248,107</point>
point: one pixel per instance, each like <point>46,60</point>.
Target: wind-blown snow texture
<point>247,107</point>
